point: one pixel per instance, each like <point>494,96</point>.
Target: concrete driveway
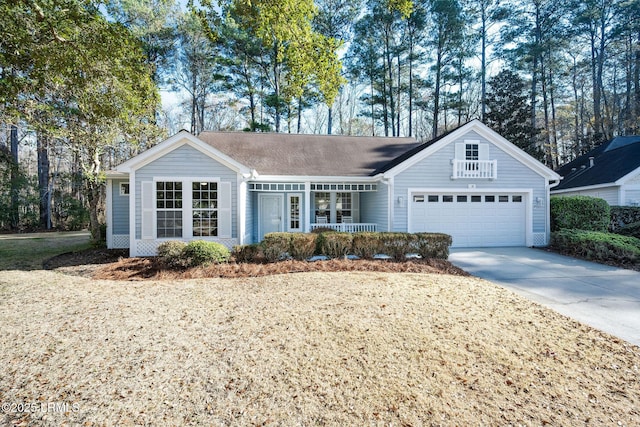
<point>603,297</point>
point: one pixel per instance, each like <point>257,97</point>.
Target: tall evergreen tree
<point>508,111</point>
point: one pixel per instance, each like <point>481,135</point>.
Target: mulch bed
<point>115,265</point>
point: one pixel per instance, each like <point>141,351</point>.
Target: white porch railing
<point>475,169</point>
<point>347,227</point>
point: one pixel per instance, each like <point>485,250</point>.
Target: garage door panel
<point>473,219</point>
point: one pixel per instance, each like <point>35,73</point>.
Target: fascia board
<point>177,141</point>
<point>628,177</point>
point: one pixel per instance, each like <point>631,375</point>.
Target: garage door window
<point>447,199</point>
<point>461,199</point>
<point>433,199</point>
<point>516,199</point>
<point>476,199</point>
<point>490,199</point>
<point>503,199</point>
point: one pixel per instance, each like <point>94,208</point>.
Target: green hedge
<point>597,246</point>
<point>170,254</point>
<point>433,245</point>
<point>333,244</point>
<point>365,244</point>
<point>632,230</point>
<point>623,216</point>
<point>177,254</point>
<point>579,212</point>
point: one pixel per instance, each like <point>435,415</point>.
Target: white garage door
<point>473,220</point>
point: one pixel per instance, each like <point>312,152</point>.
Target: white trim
<point>121,191</point>
<point>282,215</point>
<point>133,251</point>
<point>527,192</point>
<point>585,188</point>
<point>175,142</point>
<point>241,215</point>
<point>109,213</point>
<point>307,207</point>
<point>490,136</point>
<point>309,179</point>
<point>631,175</point>
<point>287,213</point>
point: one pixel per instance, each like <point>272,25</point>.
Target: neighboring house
<point>610,171</point>
<point>236,187</point>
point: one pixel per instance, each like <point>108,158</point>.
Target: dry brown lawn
<point>322,348</point>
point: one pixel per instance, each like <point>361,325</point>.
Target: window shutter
<point>147,211</point>
<point>460,146</point>
<point>224,210</point>
<point>483,152</point>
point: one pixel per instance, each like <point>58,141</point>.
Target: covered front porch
<point>307,206</point>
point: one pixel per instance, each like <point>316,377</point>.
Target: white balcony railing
<point>475,169</point>
<point>347,227</point>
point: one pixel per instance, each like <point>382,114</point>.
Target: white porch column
<point>307,207</point>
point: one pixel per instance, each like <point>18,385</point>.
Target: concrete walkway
<point>603,297</point>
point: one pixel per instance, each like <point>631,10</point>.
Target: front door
<point>270,213</point>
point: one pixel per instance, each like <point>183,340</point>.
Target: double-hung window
<point>323,205</point>
<point>343,206</point>
<point>169,209</point>
<point>205,208</point>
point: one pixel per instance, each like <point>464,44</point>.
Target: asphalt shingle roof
<point>309,155</point>
<point>611,161</point>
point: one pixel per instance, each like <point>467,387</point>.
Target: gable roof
<point>309,155</point>
<point>424,150</point>
<point>612,161</point>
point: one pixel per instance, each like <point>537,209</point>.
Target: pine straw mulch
<point>349,348</point>
<point>114,265</point>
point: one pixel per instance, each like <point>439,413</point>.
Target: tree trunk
<point>436,92</point>
<point>94,194</point>
<point>43,179</point>
<point>483,65</point>
<point>15,180</point>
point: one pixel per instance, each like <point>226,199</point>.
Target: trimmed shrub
<point>397,245</point>
<point>303,245</point>
<point>170,254</point>
<point>579,212</point>
<point>248,253</point>
<point>632,230</point>
<point>433,245</point>
<point>622,216</point>
<point>597,246</point>
<point>276,246</point>
<point>335,244</point>
<point>365,244</point>
<point>201,252</point>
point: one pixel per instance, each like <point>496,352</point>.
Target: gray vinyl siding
<point>633,198</point>
<point>373,207</point>
<point>610,194</point>
<point>119,209</point>
<point>435,172</point>
<point>186,162</point>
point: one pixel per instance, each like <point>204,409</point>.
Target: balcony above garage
<point>474,169</point>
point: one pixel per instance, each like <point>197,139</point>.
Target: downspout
<point>550,185</point>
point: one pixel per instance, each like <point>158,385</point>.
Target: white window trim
<point>122,191</point>
<point>300,218</point>
<point>187,209</point>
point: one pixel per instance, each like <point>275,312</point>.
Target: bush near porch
<point>332,244</point>
<point>582,227</point>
